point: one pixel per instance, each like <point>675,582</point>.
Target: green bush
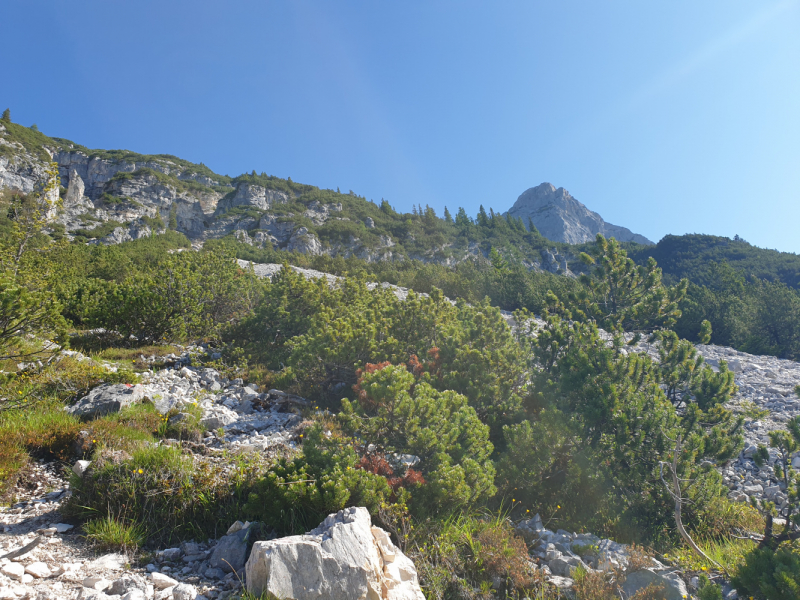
<point>296,495</point>
<point>174,496</point>
<point>288,307</point>
<point>189,295</point>
<point>770,574</point>
<point>400,414</point>
<point>707,590</point>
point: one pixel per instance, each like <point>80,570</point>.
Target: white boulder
<point>345,558</point>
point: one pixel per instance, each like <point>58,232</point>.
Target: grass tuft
<point>107,534</point>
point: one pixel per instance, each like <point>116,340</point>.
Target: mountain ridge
<point>111,196</point>
<point>562,218</point>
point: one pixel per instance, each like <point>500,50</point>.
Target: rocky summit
<point>561,218</point>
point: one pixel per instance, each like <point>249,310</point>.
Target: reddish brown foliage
<point>431,365</point>
<point>377,464</point>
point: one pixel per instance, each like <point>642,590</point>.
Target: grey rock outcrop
<point>304,242</point>
<point>19,170</point>
<point>561,218</point>
<point>75,190</point>
<point>106,399</point>
<point>345,558</point>
<point>135,231</point>
<point>560,553</point>
<point>247,194</point>
<point>673,586</point>
<point>230,553</point>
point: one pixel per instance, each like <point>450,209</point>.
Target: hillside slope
<point>112,196</point>
<point>692,255</point>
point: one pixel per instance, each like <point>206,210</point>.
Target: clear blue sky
<point>665,117</point>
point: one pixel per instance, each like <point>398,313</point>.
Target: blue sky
<point>679,117</point>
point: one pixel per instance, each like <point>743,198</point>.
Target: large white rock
<point>345,558</point>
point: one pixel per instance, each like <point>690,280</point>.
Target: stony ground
<point>61,564</point>
<point>768,383</point>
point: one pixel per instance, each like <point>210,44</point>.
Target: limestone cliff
<point>113,196</point>
<point>561,218</point>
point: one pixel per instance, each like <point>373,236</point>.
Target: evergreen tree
<point>617,293</point>
<point>27,302</point>
<point>6,116</point>
<point>430,217</point>
<point>462,218</point>
<point>34,127</point>
<point>400,413</point>
<point>601,426</point>
<point>483,218</point>
<point>447,216</point>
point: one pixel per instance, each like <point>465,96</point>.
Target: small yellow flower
<point>301,435</point>
<point>94,441</point>
<point>558,506</point>
<point>140,471</point>
<point>513,500</point>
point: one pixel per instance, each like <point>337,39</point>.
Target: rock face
<point>75,191</point>
<point>252,195</point>
<point>561,218</point>
<point>345,558</point>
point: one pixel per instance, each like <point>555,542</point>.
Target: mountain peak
<point>560,217</point>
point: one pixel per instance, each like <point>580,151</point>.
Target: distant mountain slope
<point>691,255</point>
<point>561,218</point>
<point>111,196</point>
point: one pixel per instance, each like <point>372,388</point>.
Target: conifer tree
<point>462,218</point>
<point>483,218</point>
<point>447,216</point>
<point>6,116</point>
<point>619,294</point>
<point>27,303</point>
